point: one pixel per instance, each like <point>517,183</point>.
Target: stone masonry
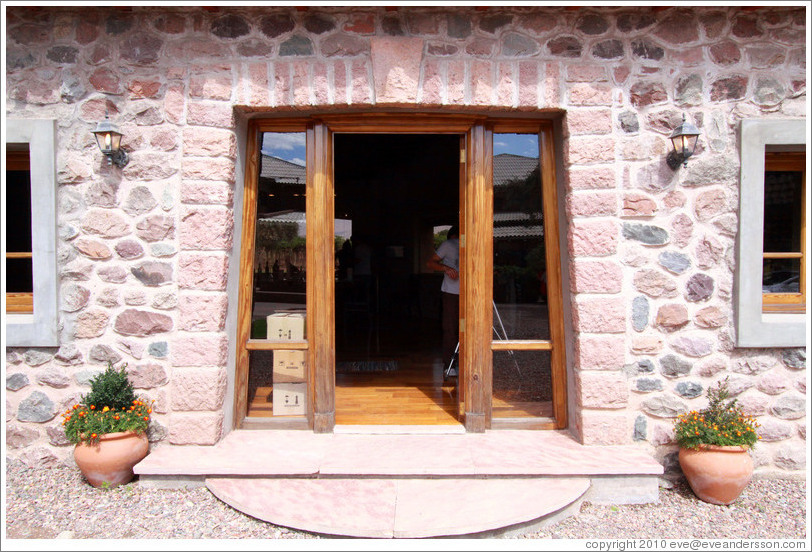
<point>143,253</point>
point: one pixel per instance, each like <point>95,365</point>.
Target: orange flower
<point>116,417</point>
<point>146,418</point>
<point>105,409</point>
<point>75,406</point>
<point>149,411</point>
<point>93,435</point>
<point>92,407</point>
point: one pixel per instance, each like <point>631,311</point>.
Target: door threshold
<point>446,429</point>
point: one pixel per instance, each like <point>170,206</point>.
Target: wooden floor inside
<point>415,393</point>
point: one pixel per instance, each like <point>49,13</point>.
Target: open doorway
<point>395,196</point>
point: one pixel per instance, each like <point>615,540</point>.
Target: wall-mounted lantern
<point>108,137</point>
<point>683,139</point>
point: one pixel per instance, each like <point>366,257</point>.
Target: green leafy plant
<point>722,422</point>
<point>111,406</point>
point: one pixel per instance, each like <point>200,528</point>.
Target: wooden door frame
<point>476,260</point>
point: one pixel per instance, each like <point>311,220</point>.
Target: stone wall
<point>144,252</point>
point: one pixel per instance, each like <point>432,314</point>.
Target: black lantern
<point>683,140</point>
<point>108,137</point>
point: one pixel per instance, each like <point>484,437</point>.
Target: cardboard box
<point>283,326</point>
<point>289,399</point>
<point>289,366</point>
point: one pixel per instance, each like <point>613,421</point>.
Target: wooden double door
<point>483,278</point>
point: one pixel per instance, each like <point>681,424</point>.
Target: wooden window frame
<point>788,302</point>
<point>476,258</point>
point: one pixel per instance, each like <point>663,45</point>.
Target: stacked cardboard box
<point>286,326</point>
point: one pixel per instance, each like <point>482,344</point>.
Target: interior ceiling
<point>397,175</point>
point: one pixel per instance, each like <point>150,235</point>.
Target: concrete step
<point>402,507</point>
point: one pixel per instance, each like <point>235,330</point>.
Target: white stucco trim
<point>753,328</point>
<point>39,329</point>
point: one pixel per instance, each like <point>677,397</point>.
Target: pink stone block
<point>600,352</point>
<point>552,85</point>
<point>202,271</point>
<point>599,315</point>
<point>215,142</point>
<point>528,83</point>
<point>505,84</point>
<point>601,389</point>
<point>456,82</point>
<point>432,83</point>
<point>585,150</point>
<point>593,204</point>
<point>321,84</point>
<point>361,85</point>
<point>206,192</point>
<point>105,223</point>
<point>339,82</point>
<point>395,69</point>
<point>671,317</point>
<point>198,389</point>
<point>595,276</point>
<point>91,323</point>
<point>213,168</point>
<point>636,204</point>
<point>710,203</point>
<point>590,178</point>
<point>283,91</point>
<point>647,344</point>
<point>206,228</point>
<point>301,84</point>
<point>211,87</point>
<point>590,94</point>
<point>682,228</point>
<point>655,283</point>
<point>599,428</point>
<point>197,428</point>
<point>481,82</point>
<point>583,72</point>
<point>202,313</point>
<point>773,382</point>
<point>589,121</point>
<point>593,238</point>
<point>258,85</point>
<point>199,350</point>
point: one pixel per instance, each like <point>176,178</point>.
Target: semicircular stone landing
<point>399,507</point>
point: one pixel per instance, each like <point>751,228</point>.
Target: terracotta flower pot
<point>717,474</point>
<point>111,460</point>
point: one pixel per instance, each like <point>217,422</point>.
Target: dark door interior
<point>397,191</point>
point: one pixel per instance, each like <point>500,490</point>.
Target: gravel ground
<point>58,504</point>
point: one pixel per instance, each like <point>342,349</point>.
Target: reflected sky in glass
<point>526,145</point>
<point>289,146</point>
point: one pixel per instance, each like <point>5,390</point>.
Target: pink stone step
<point>398,507</point>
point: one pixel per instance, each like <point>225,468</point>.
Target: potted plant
<point>714,447</point>
<point>108,428</point>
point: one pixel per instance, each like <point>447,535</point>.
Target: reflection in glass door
<point>522,379</point>
<point>277,378</point>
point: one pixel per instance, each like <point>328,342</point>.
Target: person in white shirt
<point>447,260</point>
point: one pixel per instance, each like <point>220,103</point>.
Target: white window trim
<point>40,328</point>
<point>753,327</point>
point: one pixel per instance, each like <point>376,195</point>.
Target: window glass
<point>783,255</point>
<point>520,275</point>
<point>279,252</point>
<point>19,257</point>
<point>522,384</point>
<point>277,379</point>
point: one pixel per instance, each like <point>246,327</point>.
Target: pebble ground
<point>58,504</point>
